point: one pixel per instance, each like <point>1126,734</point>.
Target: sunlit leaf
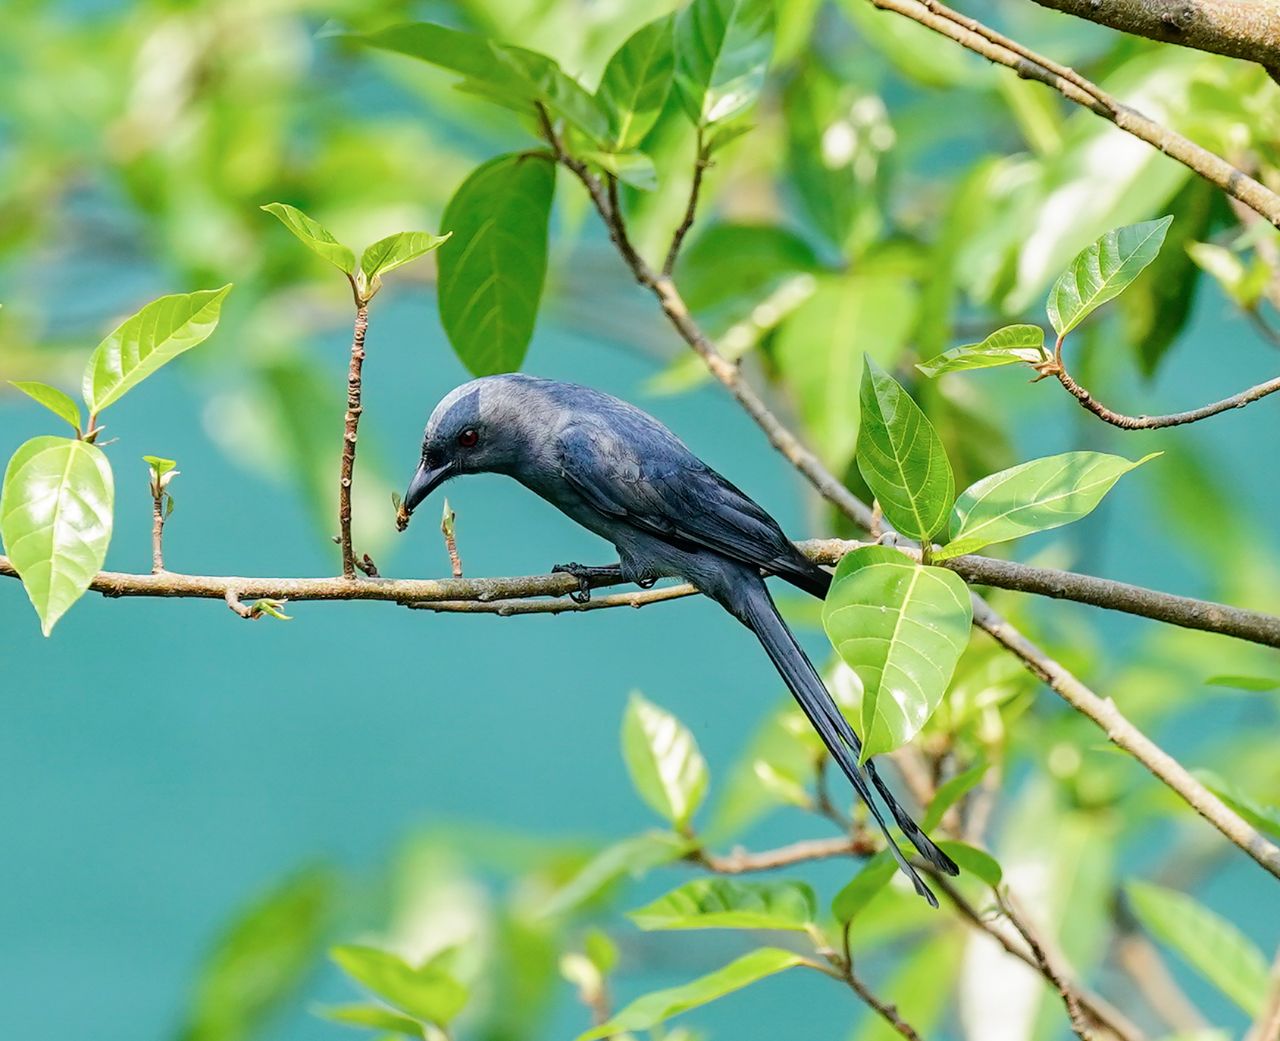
<point>663,759</point>
<point>631,857</point>
<point>376,1017</point>
<point>1007,346</point>
<point>874,875</point>
<point>143,343</point>
<point>901,626</point>
<point>1033,496</point>
<point>973,861</point>
<point>426,992</point>
<point>661,1005</point>
<point>722,53</point>
<point>56,401</point>
<point>159,465</point>
<point>636,81</point>
<point>1244,284</point>
<point>261,959</point>
<point>55,519</point>
<point>951,792</point>
<point>491,278</point>
<point>1210,944</point>
<point>393,251</point>
<point>314,235</point>
<point>901,457</point>
<point>726,903</point>
<point>1101,272</point>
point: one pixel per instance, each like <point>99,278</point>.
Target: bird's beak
<point>424,482</point>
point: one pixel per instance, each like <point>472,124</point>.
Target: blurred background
<point>425,779</point>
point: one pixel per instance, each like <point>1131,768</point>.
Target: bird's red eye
<point>469,437</point>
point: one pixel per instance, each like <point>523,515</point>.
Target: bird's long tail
<point>757,610</point>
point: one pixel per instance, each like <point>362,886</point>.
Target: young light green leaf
<point>491,279</point>
<point>636,81</point>
<point>261,959</point>
<point>901,457</point>
<point>55,520</point>
<point>663,759</point>
<point>952,791</point>
<point>633,168</point>
<point>314,235</point>
<point>722,54</point>
<point>1007,346</point>
<point>376,1017</point>
<point>1101,272</point>
<point>651,1009</point>
<point>1245,285</point>
<point>974,861</point>
<point>426,992</point>
<point>1258,684</point>
<point>158,465</point>
<point>141,344</point>
<point>396,250</point>
<point>631,857</point>
<point>1214,947</point>
<point>1033,496</point>
<point>875,874</point>
<point>726,903</point>
<point>901,626</point>
<point>56,401</point>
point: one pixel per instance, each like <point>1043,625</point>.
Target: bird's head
<point>477,428</point>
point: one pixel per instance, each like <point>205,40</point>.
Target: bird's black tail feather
<point>761,616</point>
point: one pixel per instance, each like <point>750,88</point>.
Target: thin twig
<point>350,431</point>
<point>1048,967</point>
<point>884,1009</point>
<point>700,164</point>
<point>157,530</point>
<point>742,862</point>
<point>1267,1026</point>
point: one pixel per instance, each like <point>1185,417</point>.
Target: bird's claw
<point>582,594</point>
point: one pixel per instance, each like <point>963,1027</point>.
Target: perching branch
<point>1267,1026</point>
<point>1236,28</point>
<point>350,431</point>
<point>993,46</point>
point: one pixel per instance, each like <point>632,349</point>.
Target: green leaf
<point>652,1009</point>
<point>158,465</point>
<point>1033,496</point>
<point>633,168</point>
<point>901,457</point>
<point>916,51</point>
<point>141,344</point>
<point>1245,285</point>
<point>56,401</point>
<point>722,54</point>
<point>1264,818</point>
<point>376,1017</point>
<point>396,250</point>
<point>974,861</point>
<point>491,280</point>
<point>55,519</point>
<point>1013,343</point>
<point>1211,945</point>
<point>901,627</point>
<point>726,903</point>
<point>663,759</point>
<point>631,857</point>
<point>314,235</point>
<point>427,993</point>
<point>876,873</point>
<point>261,959</point>
<point>635,83</point>
<point>1101,272</point>
<point>1251,683</point>
<point>951,792</point>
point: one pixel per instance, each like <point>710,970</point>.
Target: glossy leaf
<point>1007,346</point>
<point>55,519</point>
<point>901,626</point>
<point>661,1005</point>
<point>426,992</point>
<point>726,903</point>
<point>901,457</point>
<point>491,278</point>
<point>396,250</point>
<point>1101,272</point>
<point>631,857</point>
<point>143,343</point>
<point>1214,947</point>
<point>261,959</point>
<point>1034,496</point>
<point>874,875</point>
<point>951,792</point>
<point>973,861</point>
<point>314,235</point>
<point>663,759</point>
<point>633,168</point>
<point>56,401</point>
<point>722,54</point>
<point>636,81</point>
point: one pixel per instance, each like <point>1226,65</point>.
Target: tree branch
<point>1267,1026</point>
<point>742,862</point>
<point>1236,28</point>
<point>983,40</point>
<point>351,426</point>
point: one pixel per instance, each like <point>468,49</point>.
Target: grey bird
<point>620,473</point>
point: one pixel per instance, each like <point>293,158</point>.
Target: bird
<point>623,475</point>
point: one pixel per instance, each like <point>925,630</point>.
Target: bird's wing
<point>647,477</point>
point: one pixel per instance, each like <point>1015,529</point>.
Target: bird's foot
<point>586,576</point>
